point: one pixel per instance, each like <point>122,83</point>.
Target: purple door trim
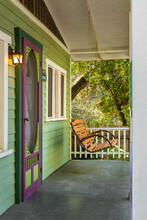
<point>32,188</point>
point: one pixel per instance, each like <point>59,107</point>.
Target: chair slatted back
<point>79,129</point>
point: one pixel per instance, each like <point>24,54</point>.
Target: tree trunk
<point>124,122</point>
<point>121,114</point>
<point>81,84</point>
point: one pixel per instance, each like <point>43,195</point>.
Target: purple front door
<point>31,118</point>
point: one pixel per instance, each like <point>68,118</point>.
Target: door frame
<point>19,35</point>
<point>27,192</point>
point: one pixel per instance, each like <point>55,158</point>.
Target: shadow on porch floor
<point>88,190</point>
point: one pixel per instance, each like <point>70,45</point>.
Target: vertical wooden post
<point>118,143</point>
<point>113,148</point>
<point>108,139</point>
<point>75,146</point>
<point>124,143</point>
<point>102,140</point>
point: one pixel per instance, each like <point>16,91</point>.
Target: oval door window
<point>31,102</point>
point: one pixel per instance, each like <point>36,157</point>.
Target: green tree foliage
<point>105,100</point>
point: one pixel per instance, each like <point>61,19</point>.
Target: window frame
<point>5,40</point>
<point>61,71</point>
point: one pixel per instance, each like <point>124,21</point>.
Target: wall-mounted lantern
<point>15,55</point>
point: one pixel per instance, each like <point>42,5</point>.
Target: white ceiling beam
<point>119,56</point>
<point>93,25</point>
<point>96,58</point>
<point>84,58</point>
<point>98,52</point>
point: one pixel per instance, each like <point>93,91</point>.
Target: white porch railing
<point>122,150</point>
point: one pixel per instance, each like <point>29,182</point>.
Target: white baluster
<point>124,144</point>
<point>118,143</point>
<point>108,139</point>
<point>102,141</point>
<point>97,155</point>
<point>75,146</point>
<point>113,147</point>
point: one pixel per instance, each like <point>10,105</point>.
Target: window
<point>55,92</point>
<point>4,40</point>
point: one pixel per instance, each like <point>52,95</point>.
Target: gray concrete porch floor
<point>88,190</point>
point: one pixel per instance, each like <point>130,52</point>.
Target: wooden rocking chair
<point>87,139</point>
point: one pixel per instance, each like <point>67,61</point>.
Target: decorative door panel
<point>31,116</point>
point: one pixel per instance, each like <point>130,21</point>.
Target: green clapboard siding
<point>7,164</point>
<point>55,135</point>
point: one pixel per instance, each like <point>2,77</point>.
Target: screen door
<point>31,110</point>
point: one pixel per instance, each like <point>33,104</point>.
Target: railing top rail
<point>118,128</point>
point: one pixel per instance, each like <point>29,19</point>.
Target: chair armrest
<point>104,131</point>
<point>96,135</point>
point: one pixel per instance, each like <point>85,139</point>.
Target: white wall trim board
<point>5,37</point>
<point>4,41</point>
<point>6,153</point>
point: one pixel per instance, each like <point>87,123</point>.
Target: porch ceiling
<point>105,34</point>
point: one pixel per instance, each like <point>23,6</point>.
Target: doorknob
<point>26,119</point>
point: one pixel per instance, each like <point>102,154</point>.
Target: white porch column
<point>139,72</point>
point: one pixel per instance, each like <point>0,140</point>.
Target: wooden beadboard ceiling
<point>105,33</point>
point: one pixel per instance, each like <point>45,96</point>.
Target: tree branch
<point>81,84</point>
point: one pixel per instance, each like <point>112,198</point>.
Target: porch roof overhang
<point>93,29</point>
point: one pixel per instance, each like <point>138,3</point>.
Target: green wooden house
<point>35,102</point>
<point>35,93</point>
